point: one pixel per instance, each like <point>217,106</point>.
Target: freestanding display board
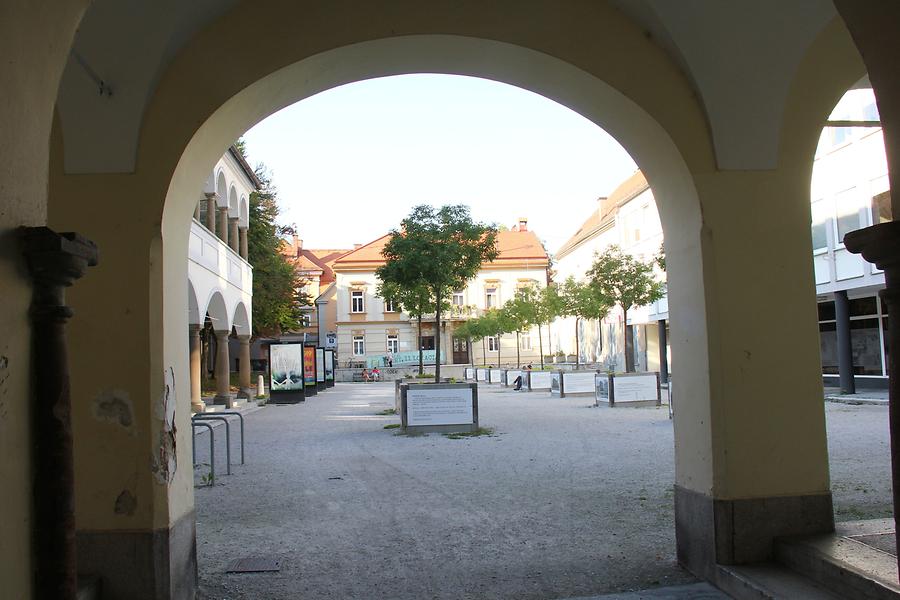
<point>329,368</point>
<point>440,407</point>
<point>635,389</point>
<point>286,385</point>
<point>309,370</point>
<point>320,369</point>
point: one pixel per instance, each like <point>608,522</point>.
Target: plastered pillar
<point>223,394</point>
<point>233,242</point>
<point>222,229</point>
<point>211,212</point>
<point>197,405</point>
<point>244,366</point>
<point>242,232</point>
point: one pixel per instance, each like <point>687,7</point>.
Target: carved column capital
<point>55,261</point>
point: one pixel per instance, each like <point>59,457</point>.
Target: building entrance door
<point>460,351</point>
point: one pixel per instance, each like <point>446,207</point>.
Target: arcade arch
<point>729,352</point>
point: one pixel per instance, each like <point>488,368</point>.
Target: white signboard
<point>601,387</point>
<point>511,376</point>
<point>540,380</point>
<point>469,373</point>
<point>635,388</point>
<point>320,365</point>
<point>580,383</point>
<point>494,375</point>
<point>431,406</point>
<point>481,374</point>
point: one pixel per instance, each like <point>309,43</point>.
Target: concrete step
<point>849,567</point>
<point>770,581</point>
<point>88,588</point>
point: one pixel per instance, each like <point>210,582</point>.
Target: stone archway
<point>644,100</point>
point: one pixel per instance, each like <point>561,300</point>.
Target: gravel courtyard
<point>563,500</point>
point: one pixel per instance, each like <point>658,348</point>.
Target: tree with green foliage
<point>515,314</point>
<point>415,300</point>
<point>278,299</point>
<point>582,301</point>
<point>441,249</point>
<point>539,306</point>
<point>621,279</point>
<point>494,323</point>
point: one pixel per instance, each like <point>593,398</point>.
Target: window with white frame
<point>821,217</point>
<point>525,341</point>
<point>389,306</point>
<point>491,298</point>
<point>357,305</point>
<point>458,298</point>
<point>493,344</point>
<point>393,343</point>
<point>848,214</point>
<point>359,345</point>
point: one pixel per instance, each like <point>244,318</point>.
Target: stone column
<point>197,405</point>
<point>880,244</point>
<point>222,230</point>
<point>223,395</point>
<point>663,352</point>
<point>844,347</point>
<point>197,211</point>
<point>242,233</point>
<point>54,261</point>
<point>211,212</point>
<point>244,366</point>
<point>233,234</point>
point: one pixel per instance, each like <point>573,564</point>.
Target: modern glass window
<point>389,306</point>
<point>490,297</point>
<point>865,342</point>
<point>359,345</point>
<point>492,343</point>
<point>881,208</point>
<point>427,342</point>
<point>847,215</point>
<point>393,344</point>
<point>820,219</point>
<point>458,296</point>
<point>357,305</point>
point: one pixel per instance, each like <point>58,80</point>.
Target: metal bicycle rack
<point>212,449</point>
<point>221,416</point>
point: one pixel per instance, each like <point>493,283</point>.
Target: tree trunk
<point>204,354</point>
<point>421,360</point>
<point>577,345</point>
<point>518,357</point>
<point>437,337</point>
<point>470,350</point>
<point>498,350</point>
<point>483,352</point>
<point>541,345</point>
<point>629,343</point>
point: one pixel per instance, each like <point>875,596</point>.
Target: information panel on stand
<point>432,405</point>
<point>286,372</point>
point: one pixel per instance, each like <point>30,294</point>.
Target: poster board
<point>511,375</point>
<point>577,383</point>
<point>329,368</point>
<point>636,389</point>
<point>309,370</point>
<point>469,373</point>
<point>286,372</point>
<point>481,375</point>
<point>495,375</point>
<point>538,380</point>
<point>441,407</point>
<point>556,383</point>
<point>320,369</point>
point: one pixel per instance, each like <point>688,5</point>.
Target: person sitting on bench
<point>365,375</point>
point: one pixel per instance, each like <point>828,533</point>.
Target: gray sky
<point>350,162</point>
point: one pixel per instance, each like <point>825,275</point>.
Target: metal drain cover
<point>254,564</point>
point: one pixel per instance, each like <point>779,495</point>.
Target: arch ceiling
<point>759,46</point>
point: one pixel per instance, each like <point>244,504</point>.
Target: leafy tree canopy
<point>621,279</point>
<point>277,296</point>
<point>583,300</point>
<point>440,249</point>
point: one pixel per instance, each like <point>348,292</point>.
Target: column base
<point>248,392</point>
<point>142,565</point>
<point>198,407</point>
<point>226,400</point>
<point>712,532</point>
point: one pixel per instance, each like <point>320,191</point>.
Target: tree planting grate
<point>254,564</point>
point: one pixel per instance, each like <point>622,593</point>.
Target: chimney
<point>356,246</point>
<point>523,224</point>
<point>602,206</point>
<point>298,244</point>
